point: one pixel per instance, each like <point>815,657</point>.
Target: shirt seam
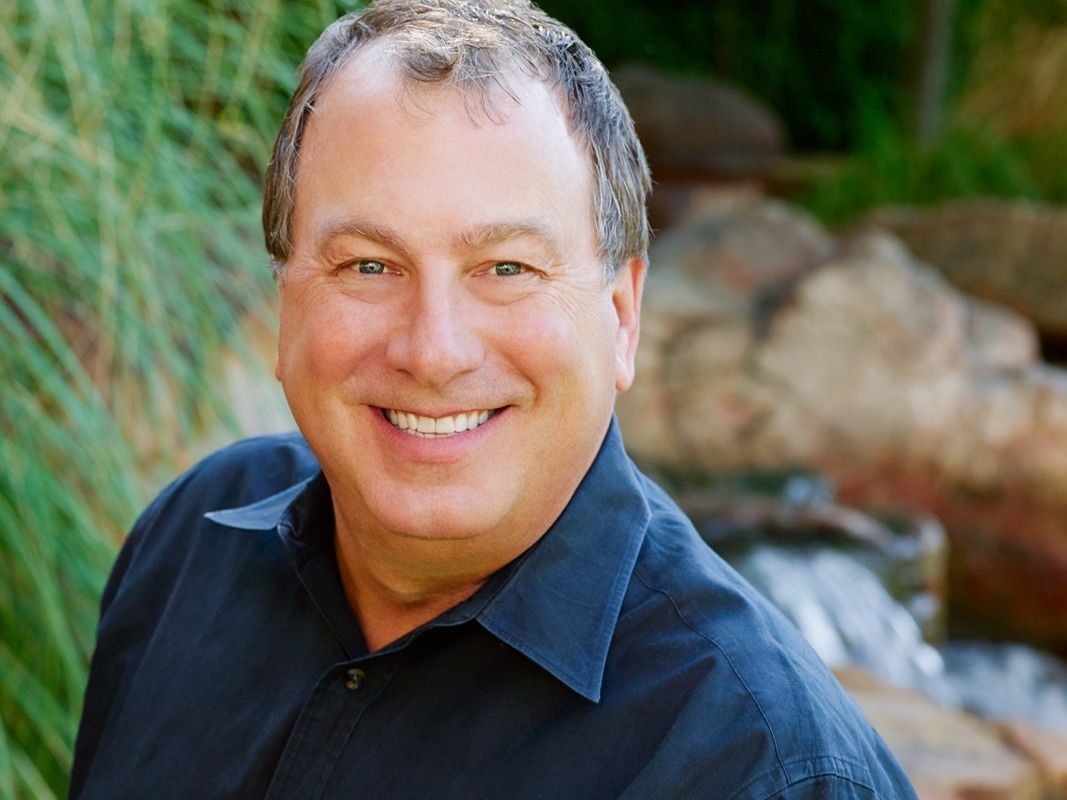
<point>825,772</point>
<point>729,660</point>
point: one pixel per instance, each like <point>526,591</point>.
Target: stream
<point>849,618</point>
<point>864,591</point>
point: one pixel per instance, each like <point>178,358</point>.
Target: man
<point>454,584</point>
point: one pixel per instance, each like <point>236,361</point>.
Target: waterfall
<point>849,618</point>
<point>1009,681</point>
<point>846,615</point>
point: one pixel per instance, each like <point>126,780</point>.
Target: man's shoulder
<point>238,474</point>
<point>756,674</point>
<point>705,595</point>
<point>245,471</point>
<point>704,592</point>
<point>744,639</point>
<point>176,579</point>
<point>167,532</point>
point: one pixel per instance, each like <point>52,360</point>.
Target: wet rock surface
<point>768,344</point>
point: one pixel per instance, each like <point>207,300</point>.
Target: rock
<point>1003,251</point>
<point>1045,749</point>
<point>754,245</point>
<point>698,128</point>
<point>706,282</point>
<point>767,346</point>
<point>947,754</point>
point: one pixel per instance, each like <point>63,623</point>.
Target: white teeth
<point>427,427</point>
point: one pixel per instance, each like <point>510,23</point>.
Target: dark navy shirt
<point>618,658</point>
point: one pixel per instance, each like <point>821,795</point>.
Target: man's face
<point>448,344</point>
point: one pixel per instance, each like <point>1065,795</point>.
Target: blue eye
<point>370,267</point>
<point>507,268</point>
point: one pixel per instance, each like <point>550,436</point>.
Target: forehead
<point>376,77</point>
<point>378,141</point>
<point>405,66</point>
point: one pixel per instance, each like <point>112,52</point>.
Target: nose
<point>434,340</point>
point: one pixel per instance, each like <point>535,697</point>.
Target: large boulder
<point>1003,251</point>
<point>698,127</point>
<point>766,345</point>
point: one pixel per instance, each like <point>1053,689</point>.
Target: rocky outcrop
<point>1003,251</point>
<point>699,131</point>
<point>952,755</point>
<point>767,345</point>
<point>1046,750</point>
<point>698,128</point>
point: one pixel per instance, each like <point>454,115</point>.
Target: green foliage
<point>890,169</point>
<point>822,64</point>
<point>1008,121</point>
<point>995,19</point>
<point>132,136</point>
<point>1046,155</point>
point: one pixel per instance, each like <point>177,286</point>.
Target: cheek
<point>325,335</point>
<point>565,343</point>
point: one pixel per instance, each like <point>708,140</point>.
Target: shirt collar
<point>262,515</point>
<point>560,601</point>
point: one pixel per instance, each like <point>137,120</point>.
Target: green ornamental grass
<point>132,139</point>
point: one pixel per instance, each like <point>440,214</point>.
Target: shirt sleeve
<point>116,651</point>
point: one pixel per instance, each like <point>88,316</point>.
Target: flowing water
<point>845,612</point>
<point>846,615</point>
<point>1009,681</point>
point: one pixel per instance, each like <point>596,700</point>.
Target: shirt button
<point>355,678</point>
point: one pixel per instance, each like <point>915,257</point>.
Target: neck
<point>394,584</point>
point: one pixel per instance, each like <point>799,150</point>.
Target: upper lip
<point>439,414</point>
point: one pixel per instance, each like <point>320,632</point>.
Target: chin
<point>435,520</point>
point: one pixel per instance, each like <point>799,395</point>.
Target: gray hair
<point>470,44</point>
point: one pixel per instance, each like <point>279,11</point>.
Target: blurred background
<point>851,372</point>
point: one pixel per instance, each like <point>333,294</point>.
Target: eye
<point>506,269</point>
<point>369,267</point>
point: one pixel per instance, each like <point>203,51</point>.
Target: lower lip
<point>437,449</point>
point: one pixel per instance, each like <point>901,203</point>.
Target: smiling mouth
<point>434,428</point>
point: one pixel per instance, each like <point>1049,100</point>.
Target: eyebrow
<point>481,236</point>
<point>371,231</point>
<point>477,237</point>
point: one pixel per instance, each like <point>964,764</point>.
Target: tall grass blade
<point>132,138</point>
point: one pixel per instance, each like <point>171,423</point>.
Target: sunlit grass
<point>132,136</point>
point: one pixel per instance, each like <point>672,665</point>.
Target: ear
<point>626,297</point>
